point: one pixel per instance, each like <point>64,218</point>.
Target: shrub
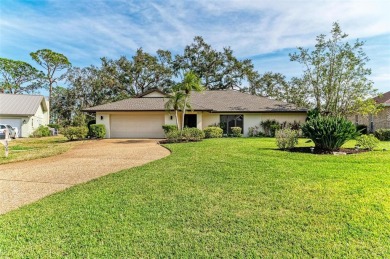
<point>213,132</point>
<point>312,114</point>
<point>97,130</point>
<point>236,131</point>
<point>41,131</point>
<point>361,128</point>
<point>328,132</point>
<point>294,125</point>
<point>286,138</point>
<point>54,126</point>
<point>169,127</point>
<point>193,134</point>
<point>269,127</point>
<point>367,141</point>
<point>382,134</point>
<point>173,136</point>
<point>73,133</point>
<point>255,132</point>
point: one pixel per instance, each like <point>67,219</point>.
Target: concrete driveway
<point>25,182</point>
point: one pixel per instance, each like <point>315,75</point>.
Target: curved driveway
<point>25,182</point>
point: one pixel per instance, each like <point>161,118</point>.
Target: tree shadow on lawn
<point>316,151</point>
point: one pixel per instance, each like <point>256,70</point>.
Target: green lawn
<point>216,198</point>
<point>33,148</point>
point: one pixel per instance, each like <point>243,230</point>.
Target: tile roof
<point>234,101</point>
<point>213,101</point>
<point>20,104</point>
<point>384,99</point>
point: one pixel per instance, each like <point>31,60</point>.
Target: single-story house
<point>25,112</point>
<point>380,120</point>
<point>144,115</point>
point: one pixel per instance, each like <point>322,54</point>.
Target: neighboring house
<point>26,112</point>
<point>143,116</point>
<point>380,120</point>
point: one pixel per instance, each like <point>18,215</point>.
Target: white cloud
<point>87,30</point>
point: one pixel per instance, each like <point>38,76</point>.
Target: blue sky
<point>264,31</point>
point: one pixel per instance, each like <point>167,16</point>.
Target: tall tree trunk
<point>177,119</point>
<point>184,113</point>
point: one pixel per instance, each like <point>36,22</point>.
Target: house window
<point>229,121</point>
<point>190,121</point>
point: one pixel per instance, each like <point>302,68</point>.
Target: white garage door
<point>137,126</point>
<point>16,123</point>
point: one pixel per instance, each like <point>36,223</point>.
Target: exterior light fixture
<point>171,117</point>
<point>101,117</point>
<point>24,121</point>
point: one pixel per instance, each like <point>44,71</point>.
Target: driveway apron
<point>25,182</point>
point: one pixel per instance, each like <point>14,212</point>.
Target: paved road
<point>25,182</point>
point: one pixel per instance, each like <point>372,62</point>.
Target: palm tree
<point>191,82</point>
<point>175,102</point>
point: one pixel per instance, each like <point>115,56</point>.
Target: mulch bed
<point>341,151</point>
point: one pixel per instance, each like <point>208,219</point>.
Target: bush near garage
<point>73,133</point>
<point>97,130</point>
<point>41,131</point>
<point>169,127</point>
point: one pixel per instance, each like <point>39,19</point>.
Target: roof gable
<point>383,99</point>
<point>21,104</point>
<point>152,93</point>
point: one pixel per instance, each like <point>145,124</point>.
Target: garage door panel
<point>137,126</point>
<point>16,123</point>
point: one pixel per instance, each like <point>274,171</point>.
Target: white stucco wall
<point>41,117</point>
<point>168,120</point>
<point>104,118</point>
<point>205,119</point>
<point>254,119</point>
<point>210,119</point>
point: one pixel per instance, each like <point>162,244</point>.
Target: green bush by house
<point>188,134</point>
<point>382,134</point>
<point>169,127</point>
<point>192,134</point>
<point>41,131</point>
<point>213,132</point>
<point>270,127</point>
<point>97,130</point>
<point>236,132</point>
<point>73,133</point>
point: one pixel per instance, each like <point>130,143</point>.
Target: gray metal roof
<point>21,104</point>
<point>213,101</point>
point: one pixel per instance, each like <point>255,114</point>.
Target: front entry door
<point>190,121</point>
